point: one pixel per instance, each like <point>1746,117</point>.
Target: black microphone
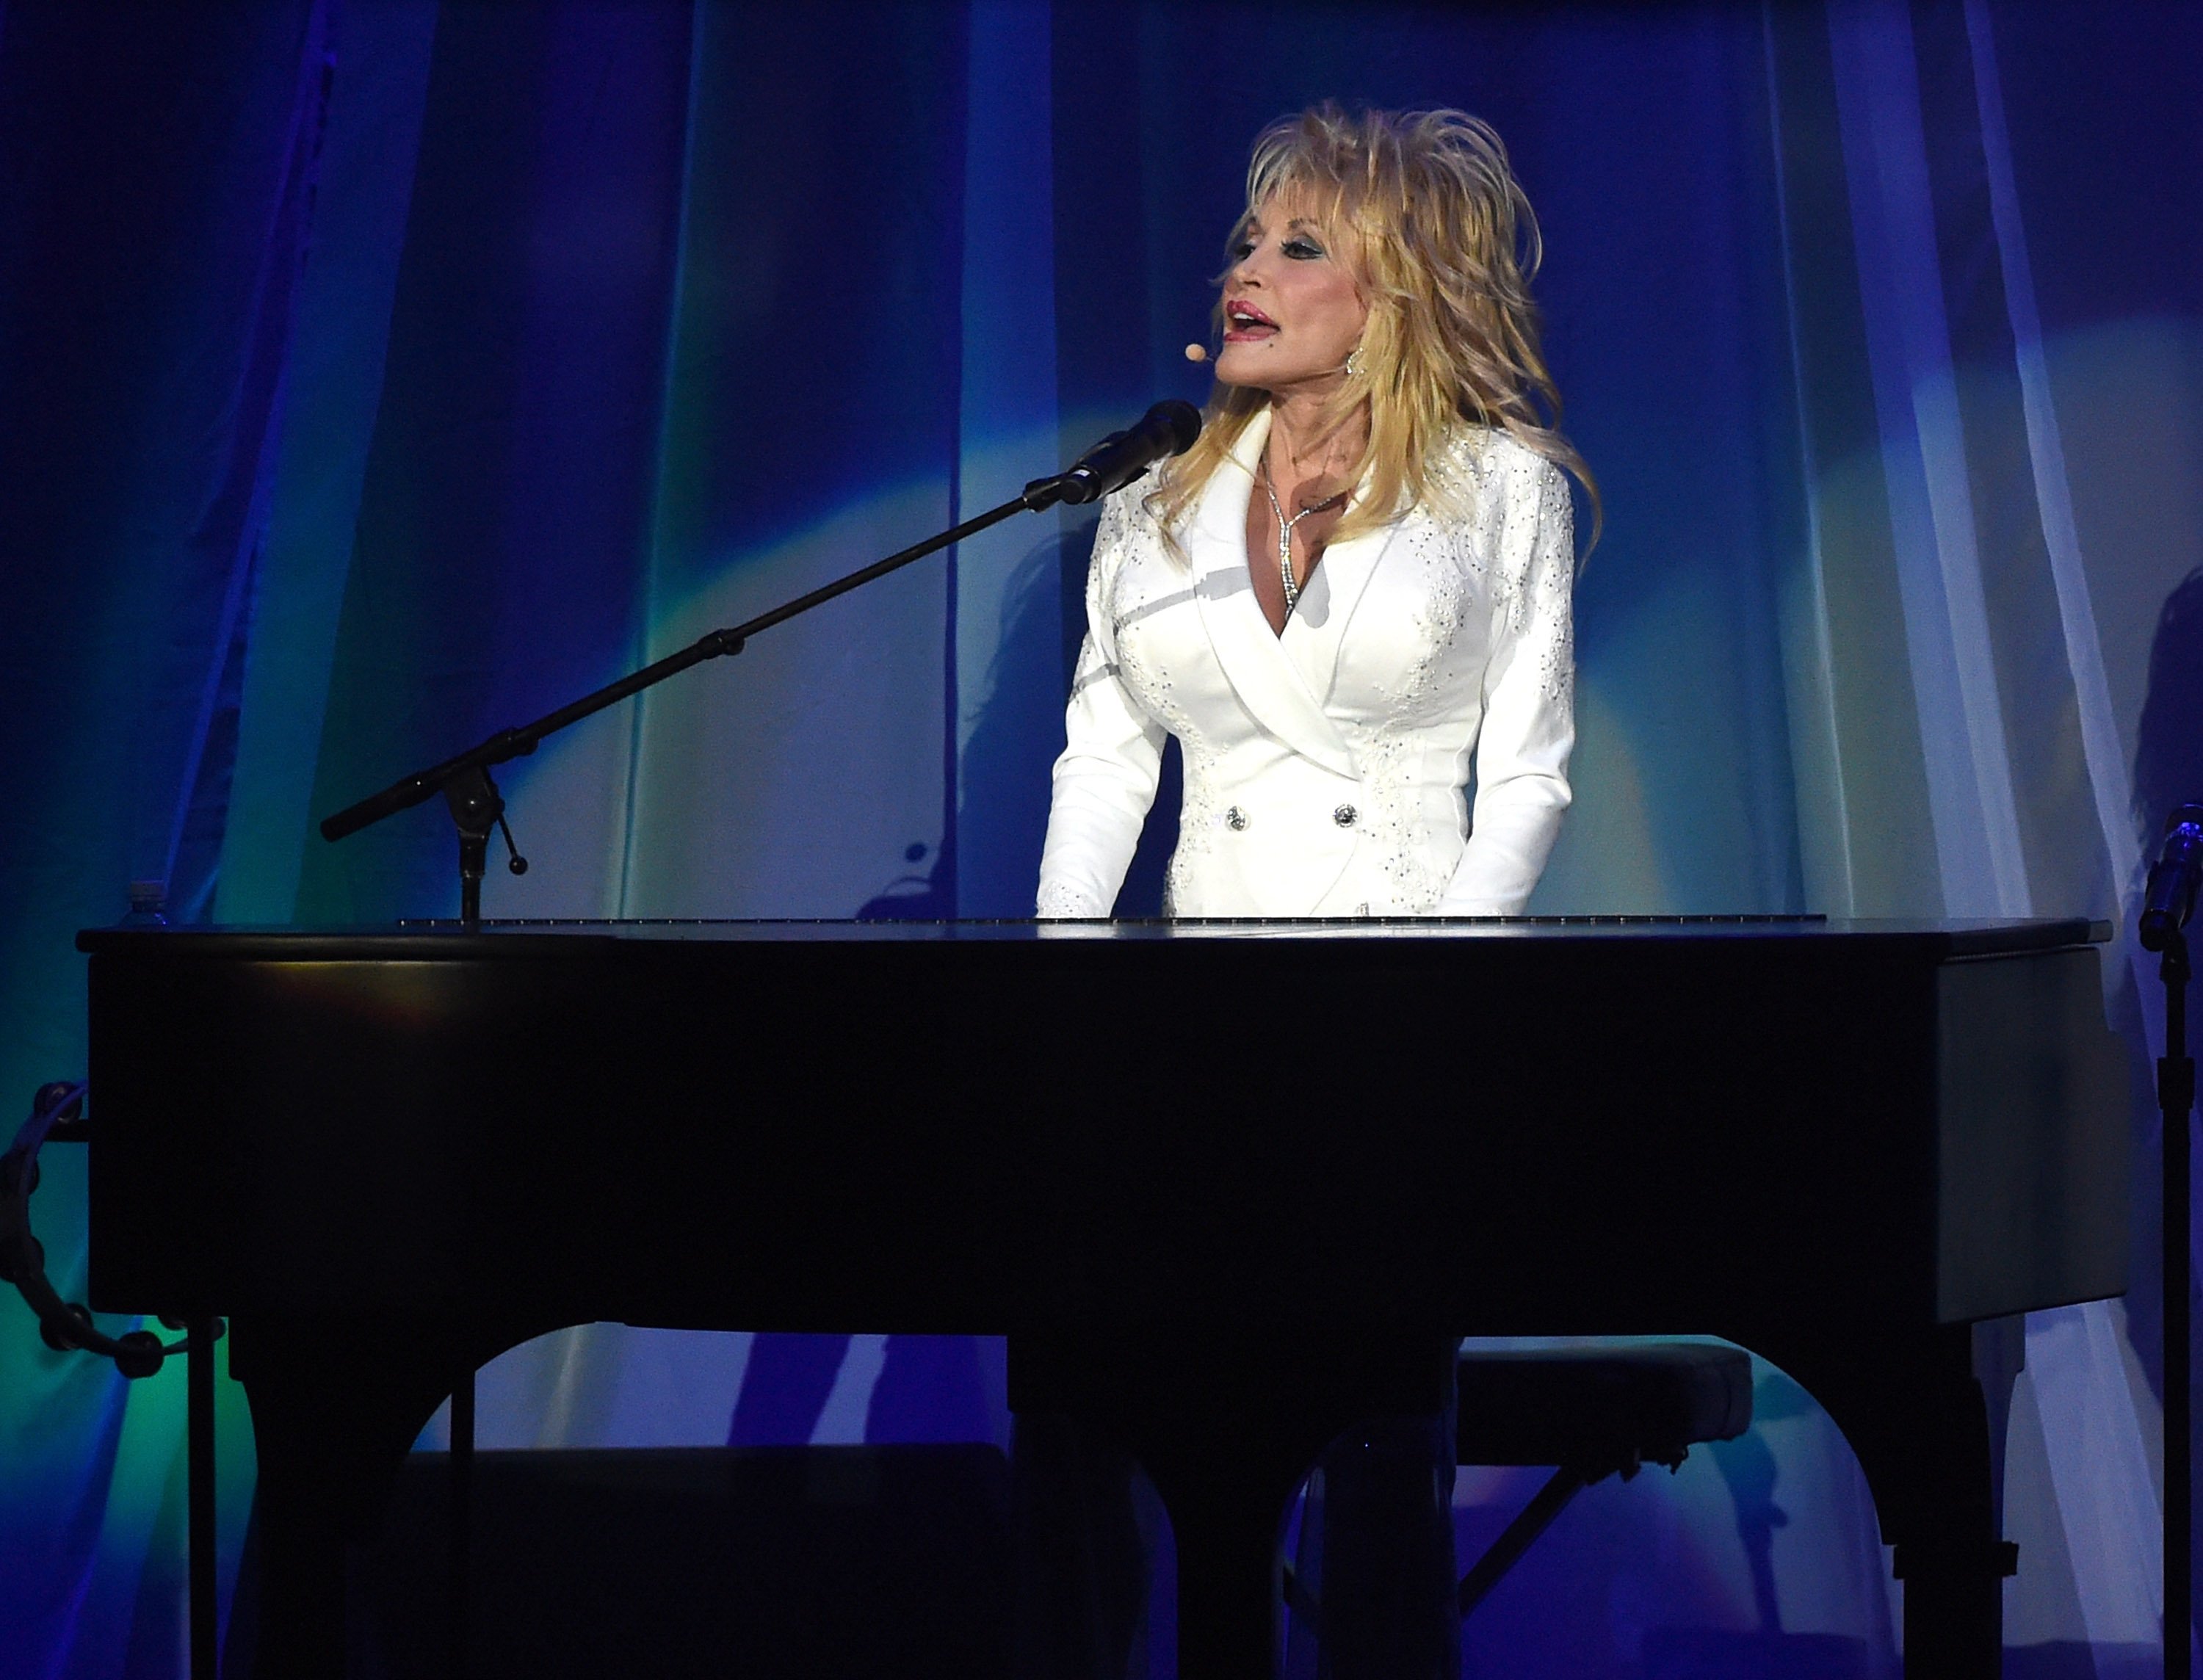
<point>1168,429</point>
<point>2170,897</point>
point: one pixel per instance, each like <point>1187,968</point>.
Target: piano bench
<point>1594,1412</point>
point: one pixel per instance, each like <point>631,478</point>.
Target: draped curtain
<point>376,374</point>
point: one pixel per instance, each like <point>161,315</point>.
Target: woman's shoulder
<point>1127,506</point>
<point>1131,520</point>
<point>1493,455</point>
<point>1127,533</point>
<point>1494,480</point>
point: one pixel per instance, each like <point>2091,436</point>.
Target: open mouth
<point>1245,324</point>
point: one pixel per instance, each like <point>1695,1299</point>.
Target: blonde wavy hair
<point>1443,243</point>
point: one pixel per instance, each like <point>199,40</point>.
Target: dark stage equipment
<point>1859,1149</point>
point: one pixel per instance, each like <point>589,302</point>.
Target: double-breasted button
<point>1344,816</point>
<point>1235,819</point>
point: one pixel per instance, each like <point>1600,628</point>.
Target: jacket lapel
<point>1262,673</point>
<point>1318,627</point>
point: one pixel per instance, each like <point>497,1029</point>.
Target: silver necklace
<point>1286,534</point>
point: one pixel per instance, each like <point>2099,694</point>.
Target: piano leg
<point>301,1626</point>
<point>1918,1416</point>
<point>1225,1527</point>
<point>335,1408</point>
<point>1227,1425</point>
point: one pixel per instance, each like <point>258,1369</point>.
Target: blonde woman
<point>1352,593</point>
<point>1354,589</point>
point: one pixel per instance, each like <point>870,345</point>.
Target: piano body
<point>387,1156</point>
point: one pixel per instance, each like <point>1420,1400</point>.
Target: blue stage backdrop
<point>375,373</point>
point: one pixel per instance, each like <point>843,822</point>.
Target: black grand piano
<point>389,1155</point>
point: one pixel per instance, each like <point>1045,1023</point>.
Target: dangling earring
<point>1354,361</point>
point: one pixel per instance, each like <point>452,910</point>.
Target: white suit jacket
<point>1326,768</point>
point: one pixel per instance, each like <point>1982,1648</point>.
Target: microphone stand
<point>1167,428</point>
<point>477,808</point>
<point>464,778</point>
<point>2170,898</point>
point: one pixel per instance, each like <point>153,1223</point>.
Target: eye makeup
<point>1298,247</point>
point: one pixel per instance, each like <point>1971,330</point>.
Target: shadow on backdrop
<point>991,865</point>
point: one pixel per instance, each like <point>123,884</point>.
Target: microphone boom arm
<point>1164,430</point>
<point>516,743</point>
<point>467,773</point>
<point>1169,427</point>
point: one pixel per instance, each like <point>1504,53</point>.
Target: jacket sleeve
<point>1106,778</point>
<point>1529,698</point>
